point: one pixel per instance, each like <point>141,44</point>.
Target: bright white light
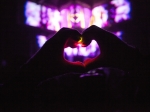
<point>93,46</point>
<point>87,15</point>
<point>91,49</point>
<point>44,14</point>
<point>118,2</point>
<point>32,14</point>
<point>41,40</point>
<point>82,17</point>
<point>68,51</point>
<point>100,16</point>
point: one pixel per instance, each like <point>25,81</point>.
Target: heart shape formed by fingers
<point>81,50</point>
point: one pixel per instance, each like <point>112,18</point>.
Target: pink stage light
<point>74,16</point>
<point>87,17</point>
<point>99,16</point>
<point>122,11</point>
<point>119,34</point>
<point>53,20</point>
<point>32,13</point>
<point>68,51</point>
<point>91,51</point>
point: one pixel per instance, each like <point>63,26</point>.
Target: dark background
<point>17,46</point>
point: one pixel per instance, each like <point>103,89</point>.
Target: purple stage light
<point>83,51</point>
<point>118,34</point>
<point>99,16</point>
<point>122,10</point>
<point>75,15</point>
<point>54,20</point>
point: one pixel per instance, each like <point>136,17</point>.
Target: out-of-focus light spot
<point>83,51</point>
<point>94,45</point>
<point>41,40</point>
<point>75,16</point>
<point>118,2</point>
<point>53,20</point>
<point>79,45</point>
<point>119,34</point>
<point>90,51</point>
<point>32,14</point>
<point>87,16</point>
<point>122,11</point>
<point>81,39</point>
<point>100,16</point>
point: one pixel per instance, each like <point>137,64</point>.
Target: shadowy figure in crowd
<point>48,82</point>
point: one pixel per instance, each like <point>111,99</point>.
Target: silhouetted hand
<point>113,51</point>
<point>49,59</point>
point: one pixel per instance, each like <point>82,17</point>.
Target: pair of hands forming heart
<point>114,52</point>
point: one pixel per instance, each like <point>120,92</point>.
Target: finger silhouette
<point>59,40</point>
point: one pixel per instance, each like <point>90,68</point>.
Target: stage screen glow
<point>76,15</point>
